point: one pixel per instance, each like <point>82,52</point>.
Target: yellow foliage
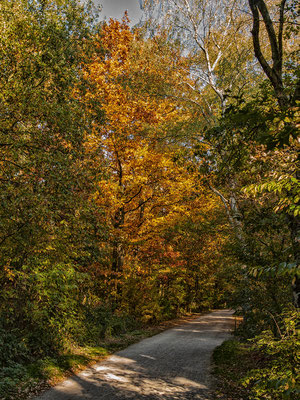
<point>144,188</point>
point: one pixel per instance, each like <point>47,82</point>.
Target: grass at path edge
<point>47,372</point>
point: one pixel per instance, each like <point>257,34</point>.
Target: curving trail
<point>173,365</point>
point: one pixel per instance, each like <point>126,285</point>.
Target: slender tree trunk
<point>294,226</point>
<point>117,257</point>
<point>234,218</point>
<point>118,253</point>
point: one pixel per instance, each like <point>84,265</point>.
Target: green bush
<point>13,349</point>
<point>101,321</point>
<point>45,309</point>
<point>13,352</point>
<point>279,378</point>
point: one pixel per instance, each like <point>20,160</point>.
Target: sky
<point>116,8</point>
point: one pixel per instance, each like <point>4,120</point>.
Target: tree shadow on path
<point>173,365</point>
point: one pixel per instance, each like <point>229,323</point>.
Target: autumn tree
<point>146,185</point>
<point>41,131</point>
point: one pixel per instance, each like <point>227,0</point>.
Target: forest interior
<point>146,173</point>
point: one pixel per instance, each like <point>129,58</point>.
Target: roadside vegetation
<point>264,367</point>
<point>146,173</point>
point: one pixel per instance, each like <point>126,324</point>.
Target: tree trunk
<point>294,226</point>
<point>234,218</point>
<point>118,253</point>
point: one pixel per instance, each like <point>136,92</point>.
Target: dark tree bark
<point>274,71</point>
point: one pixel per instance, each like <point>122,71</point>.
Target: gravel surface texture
<point>173,365</point>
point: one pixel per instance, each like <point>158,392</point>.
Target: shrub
<point>279,379</point>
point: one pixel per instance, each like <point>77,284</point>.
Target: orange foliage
<point>143,186</point>
<point>146,188</point>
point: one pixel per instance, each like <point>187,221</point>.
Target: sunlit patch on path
<point>173,365</point>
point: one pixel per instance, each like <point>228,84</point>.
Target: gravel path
<point>173,365</point>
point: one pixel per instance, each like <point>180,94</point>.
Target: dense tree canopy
<point>147,172</point>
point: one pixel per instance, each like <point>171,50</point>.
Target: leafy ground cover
<point>232,360</point>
